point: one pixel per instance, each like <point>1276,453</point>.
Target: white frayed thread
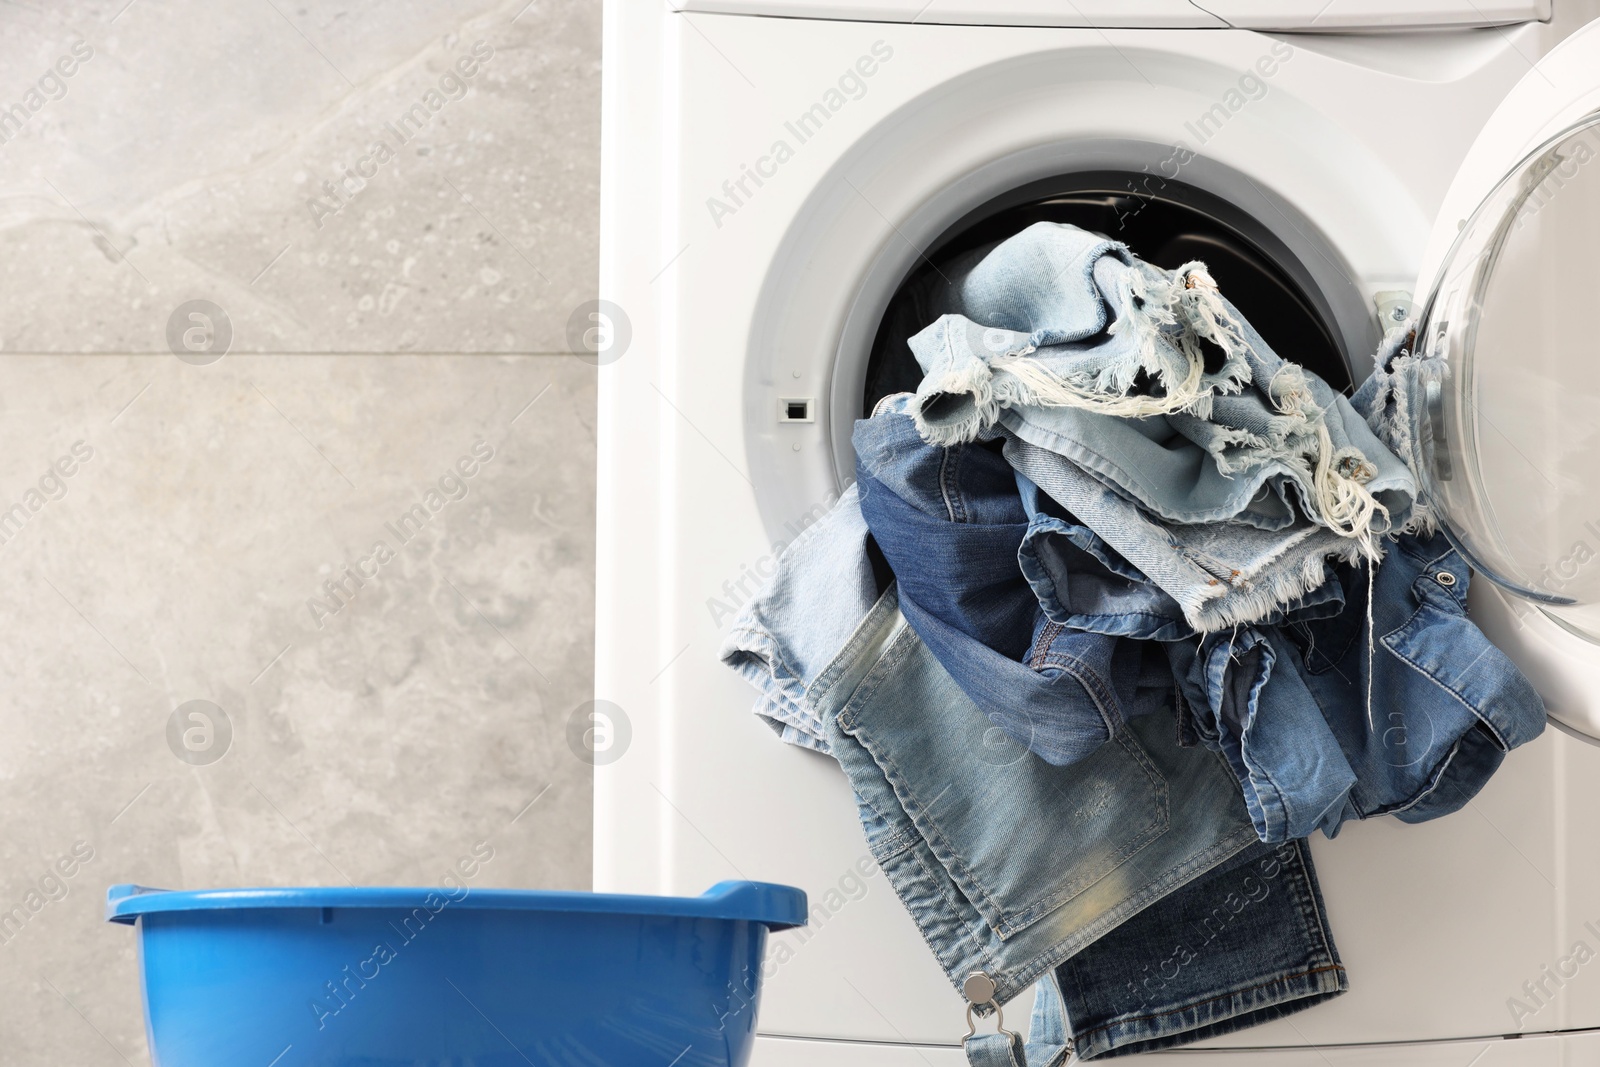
<point>1248,599</point>
<point>1338,478</point>
<point>1372,653</point>
<point>1206,316</point>
<point>1041,387</point>
<point>1343,500</point>
<point>1168,314</point>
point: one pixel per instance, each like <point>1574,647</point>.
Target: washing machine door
<point>1510,427</point>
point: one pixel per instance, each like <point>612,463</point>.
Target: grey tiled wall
<point>196,690</point>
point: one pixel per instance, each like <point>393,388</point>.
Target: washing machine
<point>776,175</point>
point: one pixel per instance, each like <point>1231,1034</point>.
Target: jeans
<point>950,524</point>
<point>1012,867</point>
<point>1245,943</point>
<point>787,634</point>
<point>1007,863</point>
<point>1058,316</point>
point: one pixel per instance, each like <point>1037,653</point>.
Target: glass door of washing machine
<point>1503,397</point>
<point>1507,405</point>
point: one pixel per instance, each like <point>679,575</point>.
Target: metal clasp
<point>979,989</point>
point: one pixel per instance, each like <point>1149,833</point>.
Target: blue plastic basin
<point>411,977</point>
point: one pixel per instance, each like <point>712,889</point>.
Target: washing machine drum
<point>1510,422</point>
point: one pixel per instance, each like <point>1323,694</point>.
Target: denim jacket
<point>1287,701</point>
<point>1447,704</point>
<point>1325,719</point>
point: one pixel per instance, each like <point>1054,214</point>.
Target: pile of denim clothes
<point>1121,607</point>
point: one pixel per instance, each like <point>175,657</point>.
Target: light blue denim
<point>1007,863</point>
<point>1090,315</point>
<point>1395,399</point>
<point>1255,710</point>
<point>1011,866</point>
<point>822,588</point>
<point>1219,574</point>
<point>1043,353</point>
<point>1083,583</point>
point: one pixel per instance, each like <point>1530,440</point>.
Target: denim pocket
<point>1017,836</point>
<point>1462,680</point>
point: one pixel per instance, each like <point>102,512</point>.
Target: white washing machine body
<point>772,170</point>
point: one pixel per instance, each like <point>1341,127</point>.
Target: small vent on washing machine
<point>795,409</point>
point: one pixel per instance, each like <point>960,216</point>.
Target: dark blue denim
<point>1447,705</point>
<point>1286,701</point>
<point>950,522</point>
<point>1244,943</point>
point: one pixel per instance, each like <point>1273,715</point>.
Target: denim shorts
<point>1049,335</point>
